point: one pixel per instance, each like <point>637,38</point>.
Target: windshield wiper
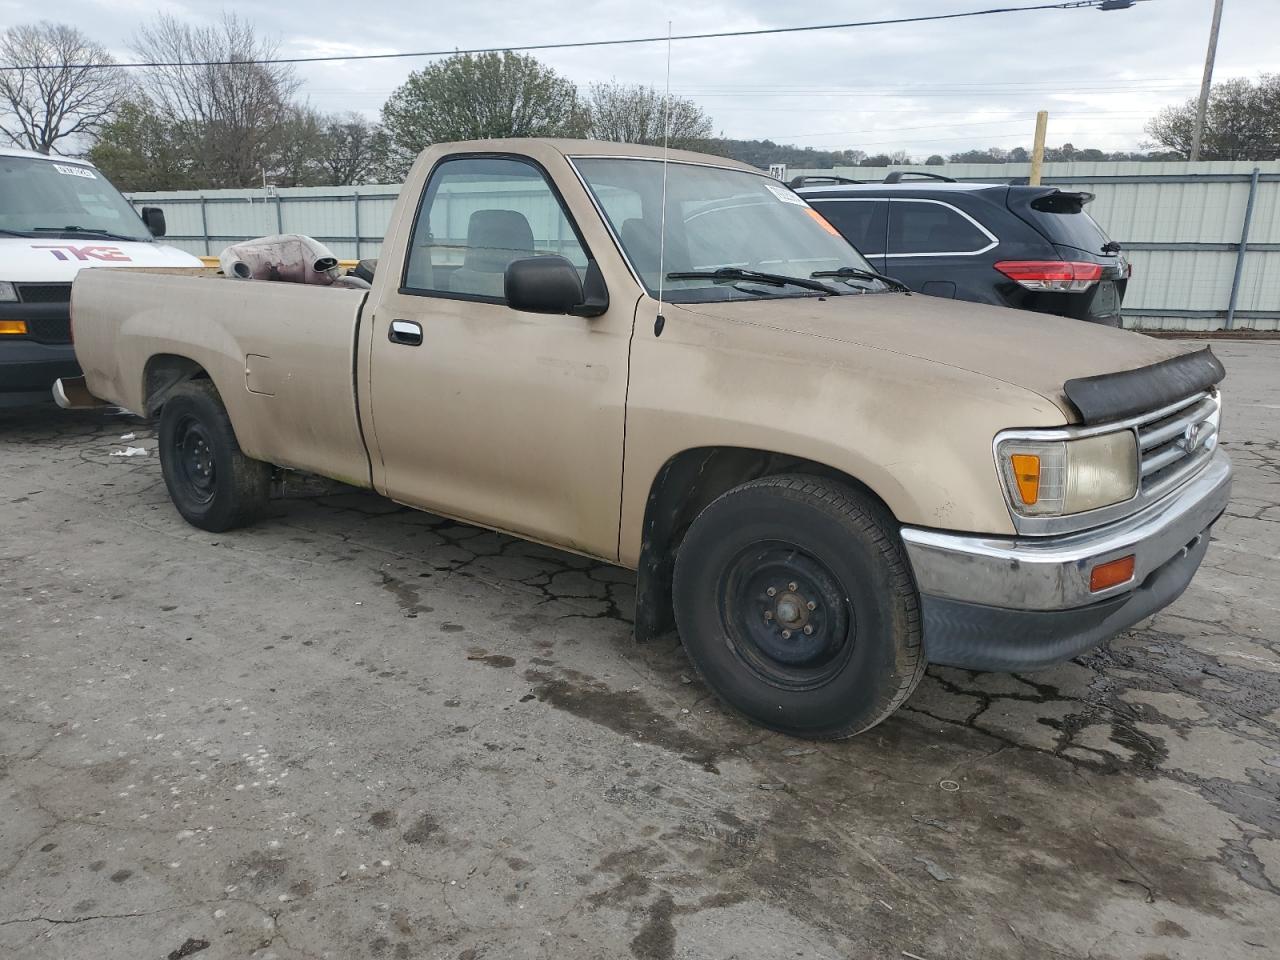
<point>853,273</point>
<point>15,233</point>
<point>90,232</point>
<point>731,274</point>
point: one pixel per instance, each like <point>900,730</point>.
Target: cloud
<point>932,87</point>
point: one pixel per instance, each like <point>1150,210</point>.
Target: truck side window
<point>930,227</point>
<point>477,215</point>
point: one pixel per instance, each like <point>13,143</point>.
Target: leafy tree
<point>876,160</point>
<point>46,109</point>
<point>138,150</point>
<point>477,96</point>
<point>633,113</point>
<point>1242,122</point>
<point>935,160</point>
<point>990,155</point>
<point>297,161</point>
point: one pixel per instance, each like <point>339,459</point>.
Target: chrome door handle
<point>405,332</point>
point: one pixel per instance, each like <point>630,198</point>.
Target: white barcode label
<point>70,171</point>
<point>785,195</point>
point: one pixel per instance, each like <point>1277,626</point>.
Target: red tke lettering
<point>68,251</point>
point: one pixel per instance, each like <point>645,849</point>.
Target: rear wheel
<point>211,482</point>
<point>797,607</point>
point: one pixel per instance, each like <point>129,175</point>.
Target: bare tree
<point>52,97</point>
<point>231,111</point>
<point>352,149</point>
<point>629,113</point>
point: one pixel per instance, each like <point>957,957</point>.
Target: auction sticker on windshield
<point>785,195</point>
<point>75,171</point>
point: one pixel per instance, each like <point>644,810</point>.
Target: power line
<point>568,45</point>
<point>961,125</point>
<point>930,94</point>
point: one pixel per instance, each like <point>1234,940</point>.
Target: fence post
<point>1244,246</point>
<point>204,228</point>
<point>355,210</point>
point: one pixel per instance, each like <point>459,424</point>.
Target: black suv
<point>1034,248</point>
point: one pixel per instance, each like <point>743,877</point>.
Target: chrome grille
<point>1175,442</point>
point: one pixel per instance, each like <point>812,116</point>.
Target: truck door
<point>508,419</point>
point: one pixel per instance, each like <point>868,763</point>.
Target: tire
<point>214,486</point>
<point>836,565</point>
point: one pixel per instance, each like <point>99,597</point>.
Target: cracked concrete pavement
<point>356,730</point>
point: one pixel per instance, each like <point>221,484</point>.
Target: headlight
<point>7,292</point>
<point>1051,478</point>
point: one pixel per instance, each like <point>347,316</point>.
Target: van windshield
<point>719,219</point>
<point>41,198</point>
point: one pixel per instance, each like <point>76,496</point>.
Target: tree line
<point>242,123</point>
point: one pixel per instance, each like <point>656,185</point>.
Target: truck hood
<point>55,260</point>
<point>1035,351</point>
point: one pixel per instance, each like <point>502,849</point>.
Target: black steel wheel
<point>786,615</point>
<point>796,604</point>
<point>210,481</point>
<point>195,458</point>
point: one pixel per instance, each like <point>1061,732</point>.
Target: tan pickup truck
<point>824,482</point>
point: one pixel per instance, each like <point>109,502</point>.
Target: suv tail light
<point>1061,276</point>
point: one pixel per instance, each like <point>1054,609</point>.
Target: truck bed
<point>282,356</point>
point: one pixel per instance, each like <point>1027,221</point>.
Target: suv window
<point>861,221</point>
<point>918,227</point>
<point>1062,218</point>
<point>477,215</point>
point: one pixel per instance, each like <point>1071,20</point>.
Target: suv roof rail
<point>830,178</point>
<point>897,176</point>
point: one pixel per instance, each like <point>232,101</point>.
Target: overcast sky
<point>933,87</point>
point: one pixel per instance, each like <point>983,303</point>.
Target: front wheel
<point>795,602</point>
<point>211,482</point>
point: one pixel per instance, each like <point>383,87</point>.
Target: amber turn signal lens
<point>15,328</point>
<point>1111,574</point>
<point>1026,470</point>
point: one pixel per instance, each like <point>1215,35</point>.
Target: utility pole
<point>1197,135</point>
<point>1037,148</point>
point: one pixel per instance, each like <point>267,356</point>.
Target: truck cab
<point>59,215</point>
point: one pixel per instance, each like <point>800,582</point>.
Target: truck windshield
<point>722,226</point>
<point>40,198</point>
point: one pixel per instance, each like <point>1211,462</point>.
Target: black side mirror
<point>153,217</point>
<point>550,284</point>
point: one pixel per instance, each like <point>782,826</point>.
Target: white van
<point>58,216</point>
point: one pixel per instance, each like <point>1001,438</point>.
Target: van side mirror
<point>550,284</point>
<point>153,217</point>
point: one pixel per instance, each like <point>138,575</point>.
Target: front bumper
<point>1007,603</point>
<point>28,369</point>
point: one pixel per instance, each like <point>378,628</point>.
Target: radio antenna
<point>660,321</point>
